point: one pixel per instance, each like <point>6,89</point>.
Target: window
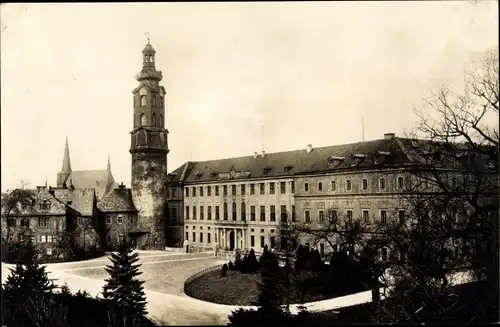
<point>233,190</point>
<point>252,189</point>
<point>187,191</point>
<point>144,120</point>
<point>224,190</point>
<point>216,190</point>
<point>381,183</point>
<point>401,217</point>
<point>234,213</point>
<point>262,241</point>
<point>349,216</point>
<point>348,185</point>
<point>187,236</point>
<point>120,219</point>
<point>321,249</point>
<point>383,216</point>
<point>273,242</point>
<point>262,188</point>
<point>194,236</point>
<point>320,186</point>
<point>49,238</point>
<point>307,216</point>
<point>161,101</point>
<point>201,190</point>
<point>271,188</point>
<point>45,205</point>
<point>153,119</point>
<point>243,211</point>
<point>252,213</point>
<point>187,212</point>
<point>333,215</point>
<point>273,214</point>
<point>43,222</point>
<point>161,116</point>
<point>209,213</point>
<point>252,241</point>
<point>154,100</point>
<point>194,213</point>
<point>143,101</point>
<point>209,191</point>
<point>174,214</point>
<point>217,213</point>
<point>283,213</point>
<point>11,222</point>
<point>225,211</point>
<point>282,187</point>
<point>202,213</point>
<point>209,237</point>
<point>243,189</point>
<point>201,237</point>
<point>365,184</point>
<point>293,213</point>
<point>262,213</point>
<point>108,238</point>
<point>334,185</point>
<point>80,221</point>
<point>43,238</point>
<point>194,191</point>
<point>306,187</point>
<point>120,238</point>
<point>321,216</point>
<point>292,186</point>
<point>384,254</point>
<point>366,216</point>
<point>25,223</point>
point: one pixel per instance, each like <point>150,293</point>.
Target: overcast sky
<point>308,72</point>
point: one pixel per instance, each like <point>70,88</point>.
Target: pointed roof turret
<point>109,162</point>
<point>66,167</point>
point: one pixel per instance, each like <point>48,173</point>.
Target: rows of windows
<point>119,219</point>
<point>382,184</point>
<point>243,189</point>
<point>144,101</point>
<point>194,212</point>
<point>200,239</point>
<point>365,217</point>
<point>144,120</point>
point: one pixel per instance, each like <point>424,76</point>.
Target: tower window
<point>161,120</point>
<point>143,120</point>
<point>154,118</point>
<point>154,100</point>
<point>161,101</point>
<point>143,101</point>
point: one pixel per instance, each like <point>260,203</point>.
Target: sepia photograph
<point>249,163</point>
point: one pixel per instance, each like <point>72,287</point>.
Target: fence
<point>201,273</point>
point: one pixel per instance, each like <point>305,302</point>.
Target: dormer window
<point>213,174</point>
<point>197,174</point>
<point>267,170</point>
<point>380,156</point>
<point>45,204</point>
<point>357,158</point>
<point>335,161</point>
<point>288,168</point>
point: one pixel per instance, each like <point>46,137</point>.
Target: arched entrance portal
<point>231,241</point>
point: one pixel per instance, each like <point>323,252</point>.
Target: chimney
<point>263,153</point>
<point>255,155</point>
<point>309,148</point>
<point>389,136</point>
<point>121,186</point>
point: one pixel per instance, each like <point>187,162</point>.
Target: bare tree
<point>452,199</point>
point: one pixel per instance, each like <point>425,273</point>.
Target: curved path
<point>164,274</point>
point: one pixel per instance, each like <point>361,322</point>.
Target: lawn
<point>241,289</point>
<point>164,277</point>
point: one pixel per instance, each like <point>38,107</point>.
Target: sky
<point>240,77</point>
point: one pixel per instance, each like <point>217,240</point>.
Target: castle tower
<point>149,151</point>
<point>65,172</point>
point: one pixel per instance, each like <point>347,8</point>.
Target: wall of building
<point>117,225</point>
<point>175,216</point>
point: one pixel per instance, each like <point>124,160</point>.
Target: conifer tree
<point>123,292</point>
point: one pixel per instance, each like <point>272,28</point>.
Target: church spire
<point>66,167</point>
<point>109,163</point>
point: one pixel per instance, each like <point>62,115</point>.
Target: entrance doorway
<point>133,242</point>
<point>231,241</point>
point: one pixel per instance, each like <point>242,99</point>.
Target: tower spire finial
<point>147,36</point>
<point>66,167</point>
<point>109,162</point>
